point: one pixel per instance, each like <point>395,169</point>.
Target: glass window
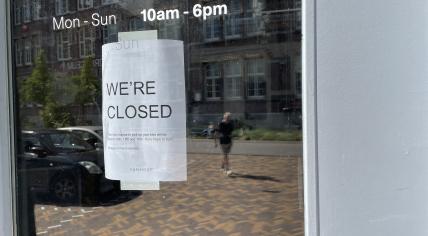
<point>135,24</point>
<point>170,29</point>
<point>232,79</point>
<point>28,59</point>
<point>106,2</point>
<point>254,20</point>
<point>240,120</point>
<point>61,7</point>
<point>86,41</point>
<point>37,9</point>
<point>232,21</point>
<point>26,10</point>
<point>19,52</point>
<point>110,33</point>
<point>36,44</point>
<point>17,13</point>
<point>85,4</point>
<point>256,78</point>
<point>212,29</point>
<point>213,81</point>
<point>63,45</point>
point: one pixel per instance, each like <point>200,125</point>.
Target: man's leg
<point>226,161</point>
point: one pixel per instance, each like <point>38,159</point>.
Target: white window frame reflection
<point>233,21</point>
<point>63,44</point>
<point>107,2</point>
<point>26,11</point>
<point>170,29</point>
<point>36,44</point>
<point>232,79</point>
<point>135,24</point>
<point>28,59</point>
<point>232,25</point>
<point>36,8</point>
<point>110,33</point>
<point>19,52</point>
<point>62,7</point>
<point>84,4</point>
<point>212,28</point>
<point>17,15</point>
<point>86,42</point>
<point>213,81</point>
<point>254,20</point>
<point>256,69</point>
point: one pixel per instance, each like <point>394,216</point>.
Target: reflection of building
<point>249,60</point>
<point>246,62</point>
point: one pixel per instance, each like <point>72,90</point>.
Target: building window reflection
<point>26,10</point>
<point>213,81</point>
<point>232,80</point>
<point>61,7</point>
<point>232,21</point>
<point>37,48</point>
<point>254,21</point>
<point>170,29</point>
<point>256,87</point>
<point>84,4</point>
<point>105,2</point>
<point>27,52</point>
<point>110,33</point>
<point>19,52</point>
<point>63,44</point>
<point>86,41</point>
<point>212,29</point>
<point>37,9</point>
<point>17,17</point>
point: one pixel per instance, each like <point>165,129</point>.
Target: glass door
<point>158,117</point>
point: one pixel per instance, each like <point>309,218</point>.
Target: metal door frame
<point>7,186</point>
<point>309,94</point>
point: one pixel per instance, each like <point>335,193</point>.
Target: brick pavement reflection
<point>262,197</point>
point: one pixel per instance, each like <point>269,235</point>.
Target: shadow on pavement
<point>105,199</point>
<point>255,177</point>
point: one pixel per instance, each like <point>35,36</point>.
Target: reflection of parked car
<point>51,174</point>
<point>91,134</point>
<point>66,148</point>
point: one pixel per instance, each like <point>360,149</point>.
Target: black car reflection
<point>63,165</point>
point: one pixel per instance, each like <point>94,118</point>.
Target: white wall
<point>6,217</point>
<point>371,105</point>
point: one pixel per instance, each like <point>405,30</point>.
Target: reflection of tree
<point>38,88</point>
<point>87,87</point>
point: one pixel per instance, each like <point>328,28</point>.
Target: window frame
<point>212,79</point>
<point>26,11</point>
<point>17,19</point>
<point>84,38</point>
<point>79,3</point>
<point>28,54</point>
<point>256,75</point>
<point>59,41</point>
<point>8,206</point>
<point>211,23</point>
<point>19,60</point>
<point>236,86</point>
<point>64,11</point>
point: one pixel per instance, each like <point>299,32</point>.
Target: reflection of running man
<point>224,133</point>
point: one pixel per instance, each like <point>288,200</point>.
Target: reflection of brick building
<point>249,60</point>
<point>246,62</point>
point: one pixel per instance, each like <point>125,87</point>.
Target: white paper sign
<point>127,36</point>
<point>144,112</point>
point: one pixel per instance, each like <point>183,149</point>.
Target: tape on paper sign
<point>144,110</point>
